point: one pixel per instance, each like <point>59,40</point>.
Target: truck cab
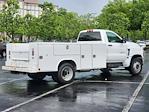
<point>119,51</point>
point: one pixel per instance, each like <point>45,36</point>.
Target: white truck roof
<point>96,30</point>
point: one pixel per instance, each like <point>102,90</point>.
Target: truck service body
<point>94,49</point>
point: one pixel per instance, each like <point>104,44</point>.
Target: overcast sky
<point>81,6</point>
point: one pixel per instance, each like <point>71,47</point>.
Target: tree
<point>124,17</point>
<point>119,22</point>
<point>30,26</point>
<point>113,9</point>
<point>53,23</point>
<point>66,25</point>
<point>145,25</point>
<point>59,24</point>
<point>9,20</point>
<point>46,21</point>
<point>1,23</point>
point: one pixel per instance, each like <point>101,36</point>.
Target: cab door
<point>117,50</point>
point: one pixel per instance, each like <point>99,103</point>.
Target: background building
<point>29,7</point>
<point>26,7</point>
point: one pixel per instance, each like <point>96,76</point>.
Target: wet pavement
<point>141,104</point>
<point>84,97</point>
<point>93,93</point>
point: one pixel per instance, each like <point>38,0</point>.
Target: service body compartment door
<point>86,56</point>
<point>99,55</point>
<point>65,49</point>
<point>45,53</point>
<point>17,55</point>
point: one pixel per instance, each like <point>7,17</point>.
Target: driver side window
<point>113,38</point>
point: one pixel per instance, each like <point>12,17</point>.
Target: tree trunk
<point>12,36</point>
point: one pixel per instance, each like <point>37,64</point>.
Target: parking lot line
<point>119,82</point>
<point>12,81</point>
<point>38,97</point>
<point>135,94</point>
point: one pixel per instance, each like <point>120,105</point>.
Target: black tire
<point>54,76</point>
<point>66,74</point>
<point>127,68</point>
<point>37,76</point>
<point>14,72</point>
<point>135,66</point>
<point>105,71</point>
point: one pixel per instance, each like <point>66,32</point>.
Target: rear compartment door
<point>18,55</point>
<point>86,56</point>
<point>44,56</point>
<point>66,49</point>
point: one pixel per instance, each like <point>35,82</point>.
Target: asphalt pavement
<point>90,92</point>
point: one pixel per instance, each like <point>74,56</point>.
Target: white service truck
<point>95,49</point>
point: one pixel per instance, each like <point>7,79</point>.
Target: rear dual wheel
<point>65,74</point>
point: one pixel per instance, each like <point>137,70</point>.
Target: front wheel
<point>135,66</point>
<point>66,74</point>
<point>37,76</point>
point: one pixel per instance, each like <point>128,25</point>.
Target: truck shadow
<point>115,77</point>
<point>36,88</point>
<point>86,93</point>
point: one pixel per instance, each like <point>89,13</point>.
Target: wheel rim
<point>67,73</point>
<point>137,67</point>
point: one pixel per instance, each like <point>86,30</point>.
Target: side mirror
<point>123,40</point>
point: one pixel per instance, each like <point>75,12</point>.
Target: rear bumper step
<point>18,69</point>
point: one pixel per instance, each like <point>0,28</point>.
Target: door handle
<point>40,57</point>
<point>109,45</point>
<point>94,56</point>
<point>82,56</point>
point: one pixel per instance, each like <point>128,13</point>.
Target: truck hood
<point>135,49</point>
<point>133,45</point>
